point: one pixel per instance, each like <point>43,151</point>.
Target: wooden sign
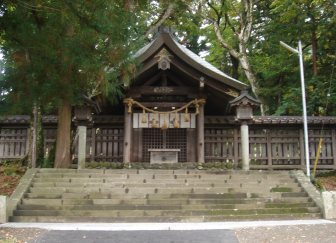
<point>170,118</point>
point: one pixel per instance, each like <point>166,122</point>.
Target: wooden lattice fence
<point>271,148</point>
<point>13,142</point>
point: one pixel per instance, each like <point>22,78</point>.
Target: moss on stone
<point>75,166</point>
<point>281,189</point>
<point>155,166</point>
<point>101,164</point>
<point>94,164</point>
<point>107,165</point>
<point>114,166</point>
<point>199,167</point>
<point>217,165</point>
<point>87,164</point>
<point>146,165</point>
<point>229,165</point>
<point>223,165</point>
<point>209,165</point>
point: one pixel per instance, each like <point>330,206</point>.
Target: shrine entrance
<point>173,138</point>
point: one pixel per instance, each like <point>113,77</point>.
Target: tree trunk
<point>62,156</point>
<point>314,43</point>
<point>245,63</point>
<point>235,66</point>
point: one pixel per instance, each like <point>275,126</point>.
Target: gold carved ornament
<point>232,93</point>
<point>195,102</point>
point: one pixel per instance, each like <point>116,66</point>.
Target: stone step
<point>155,219</point>
<point>164,201</point>
<point>184,190</point>
<point>153,171</point>
<point>164,207</point>
<point>47,182</point>
<point>172,213</point>
<point>73,183</point>
<point>162,176</point>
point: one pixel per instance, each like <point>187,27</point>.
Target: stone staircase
<point>65,195</point>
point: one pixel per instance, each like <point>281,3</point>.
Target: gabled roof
<point>164,36</point>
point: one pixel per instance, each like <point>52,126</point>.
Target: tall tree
<point>278,69</point>
<point>54,50</point>
<point>237,17</point>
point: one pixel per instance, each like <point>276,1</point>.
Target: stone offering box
<point>159,156</point>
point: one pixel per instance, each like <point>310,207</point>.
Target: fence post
<point>244,133</point>
<point>3,209</point>
<point>333,139</point>
<point>269,148</point>
<point>302,150</point>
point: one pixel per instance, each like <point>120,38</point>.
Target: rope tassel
<point>144,120</point>
<point>186,117</point>
<point>164,125</point>
<point>154,122</point>
<point>176,124</point>
<point>129,107</point>
<point>197,110</point>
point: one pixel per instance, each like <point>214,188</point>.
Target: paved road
<point>307,231</point>
<point>157,236</point>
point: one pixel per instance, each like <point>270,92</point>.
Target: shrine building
<point>167,100</point>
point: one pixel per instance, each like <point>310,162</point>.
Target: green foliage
<point>54,50</point>
<point>49,161</point>
<point>12,171</point>
<point>278,70</point>
<point>326,174</point>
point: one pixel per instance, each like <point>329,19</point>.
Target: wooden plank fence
<point>103,144</point>
<point>279,148</point>
<point>13,142</point>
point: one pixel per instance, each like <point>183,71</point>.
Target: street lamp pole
<point>304,107</point>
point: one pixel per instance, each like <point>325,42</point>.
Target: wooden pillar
<point>127,135</point>
<point>200,134</point>
<point>81,146</point>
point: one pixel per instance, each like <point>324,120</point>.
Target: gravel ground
<point>298,233</point>
<point>20,235</point>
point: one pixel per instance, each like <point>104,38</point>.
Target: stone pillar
<point>244,133</point>
<point>3,209</point>
<point>81,147</point>
<point>200,134</point>
<point>127,135</point>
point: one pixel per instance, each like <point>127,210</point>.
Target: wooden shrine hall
<point>166,102</point>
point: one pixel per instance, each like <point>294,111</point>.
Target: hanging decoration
<point>186,117</point>
<point>144,120</point>
<point>195,102</point>
<point>154,122</point>
<point>164,125</point>
<point>176,123</point>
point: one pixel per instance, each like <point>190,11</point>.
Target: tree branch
<point>164,17</point>
<point>198,12</point>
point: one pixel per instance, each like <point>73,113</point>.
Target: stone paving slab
<point>164,226</point>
